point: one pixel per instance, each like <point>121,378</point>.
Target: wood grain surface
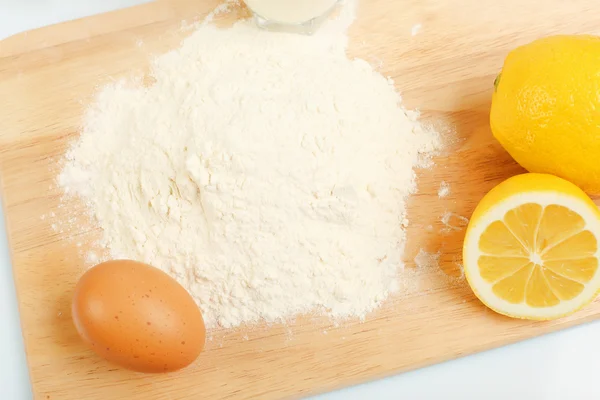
<point>46,78</point>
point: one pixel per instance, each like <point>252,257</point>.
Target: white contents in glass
<point>290,11</point>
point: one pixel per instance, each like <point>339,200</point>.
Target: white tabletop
<point>558,366</point>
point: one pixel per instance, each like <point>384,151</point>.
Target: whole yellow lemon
<point>546,108</point>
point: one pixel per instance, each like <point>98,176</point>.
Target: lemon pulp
<point>538,255</point>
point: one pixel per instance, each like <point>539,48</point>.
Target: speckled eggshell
<point>138,317</point>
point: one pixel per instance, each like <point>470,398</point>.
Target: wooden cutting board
<point>446,70</point>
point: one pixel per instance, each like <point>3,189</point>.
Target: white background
<point>558,366</point>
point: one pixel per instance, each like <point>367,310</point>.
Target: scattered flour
<point>223,8</point>
<point>453,222</point>
<point>444,190</point>
<point>267,172</point>
<point>427,260</point>
<point>431,262</point>
<point>416,29</point>
<point>461,268</point>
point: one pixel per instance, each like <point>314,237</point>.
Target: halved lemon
<point>531,248</point>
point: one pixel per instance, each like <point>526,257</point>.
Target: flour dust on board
<point>267,172</point>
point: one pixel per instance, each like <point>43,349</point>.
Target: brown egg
<point>138,317</point>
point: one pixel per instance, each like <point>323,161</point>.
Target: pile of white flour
<point>267,172</point>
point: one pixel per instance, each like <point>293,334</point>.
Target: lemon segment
<point>531,248</point>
